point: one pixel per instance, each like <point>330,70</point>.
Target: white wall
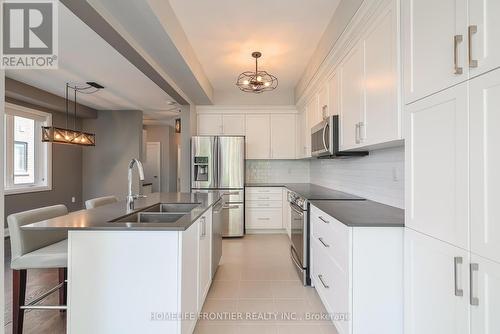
<point>378,177</point>
<point>277,171</point>
<point>118,140</point>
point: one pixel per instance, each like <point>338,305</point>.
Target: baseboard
<point>265,231</point>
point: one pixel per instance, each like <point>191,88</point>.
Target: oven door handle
<point>294,260</point>
<point>293,206</point>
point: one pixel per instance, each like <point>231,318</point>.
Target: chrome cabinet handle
<point>323,242</point>
<point>263,218</point>
<point>361,137</point>
<point>458,262</point>
<point>203,227</point>
<point>323,220</point>
<point>474,301</point>
<point>230,193</point>
<point>357,133</point>
<point>263,197</point>
<point>230,207</point>
<point>457,40</point>
<point>472,62</point>
<point>323,282</point>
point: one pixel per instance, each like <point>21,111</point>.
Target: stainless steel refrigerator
<point>218,163</point>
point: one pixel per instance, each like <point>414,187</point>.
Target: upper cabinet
<point>209,124</point>
<point>454,41</point>
<point>258,136</point>
<point>283,136</point>
<point>233,125</point>
<point>334,95</point>
<point>221,124</point>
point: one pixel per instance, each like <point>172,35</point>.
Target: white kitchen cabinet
<point>300,139</point>
<point>437,165</point>
<point>287,213</point>
<point>307,119</point>
<point>485,296</point>
<point>436,286</point>
<point>484,33</point>
<point>435,46</point>
<point>283,136</point>
<point>382,119</point>
<point>323,102</point>
<point>189,283</point>
<point>334,94</point>
<point>485,165</point>
<point>263,209</point>
<point>233,125</point>
<point>352,97</point>
<point>258,136</point>
<point>358,274</point>
<point>204,257</point>
<point>210,124</point>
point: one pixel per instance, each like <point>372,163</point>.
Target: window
<point>28,161</point>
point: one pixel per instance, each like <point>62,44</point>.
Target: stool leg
<point>19,298</point>
<point>63,292</point>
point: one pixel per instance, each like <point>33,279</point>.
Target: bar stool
<point>100,201</point>
<point>36,250</point>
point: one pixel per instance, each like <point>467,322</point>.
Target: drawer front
<point>263,218</point>
<point>232,196</point>
<point>333,286</point>
<point>332,235</point>
<point>264,204</point>
<point>264,197</point>
<point>263,190</point>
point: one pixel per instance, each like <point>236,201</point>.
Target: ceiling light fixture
<point>256,81</point>
<point>52,134</point>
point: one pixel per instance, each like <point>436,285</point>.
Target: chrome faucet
<point>131,197</point>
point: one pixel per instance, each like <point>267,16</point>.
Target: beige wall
<point>118,140</point>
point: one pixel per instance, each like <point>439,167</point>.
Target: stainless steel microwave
<point>325,138</point>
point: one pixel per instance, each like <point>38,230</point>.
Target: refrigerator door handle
<point>215,161</point>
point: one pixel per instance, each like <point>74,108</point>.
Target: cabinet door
<point>437,165</point>
<point>300,139</point>
<point>313,112</point>
<point>484,33</point>
<point>307,130</point>
<point>323,102</point>
<point>334,95</point>
<point>258,136</point>
<point>485,296</point>
<point>283,136</point>
<point>430,47</point>
<point>352,97</point>
<point>233,125</point>
<point>485,165</point>
<point>204,257</point>
<point>189,281</point>
<point>436,294</point>
<point>382,119</point>
<point>286,214</point>
<point>209,124</point>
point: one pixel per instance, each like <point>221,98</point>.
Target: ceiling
<point>223,34</point>
<point>85,56</point>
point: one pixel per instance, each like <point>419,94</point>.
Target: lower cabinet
<point>264,209</point>
<point>287,213</point>
<point>358,274</point>
<point>448,290</point>
<point>189,283</point>
<point>204,257</point>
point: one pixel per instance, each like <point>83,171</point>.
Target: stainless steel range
<point>299,248</point>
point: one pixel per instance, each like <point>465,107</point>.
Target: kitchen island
<point>129,273</point>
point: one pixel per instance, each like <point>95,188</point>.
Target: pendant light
<point>256,81</point>
<point>53,134</point>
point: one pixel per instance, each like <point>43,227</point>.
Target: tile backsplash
<point>378,177</point>
<point>286,171</point>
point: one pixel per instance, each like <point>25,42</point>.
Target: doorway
<point>152,166</point>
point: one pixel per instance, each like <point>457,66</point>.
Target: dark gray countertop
<point>362,213</point>
<point>100,218</point>
<point>310,191</point>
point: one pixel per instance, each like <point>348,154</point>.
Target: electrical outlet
<point>395,174</point>
<point>73,199</point>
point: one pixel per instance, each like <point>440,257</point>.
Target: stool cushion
<point>52,256</point>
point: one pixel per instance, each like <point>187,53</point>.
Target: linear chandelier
<point>67,135</point>
<point>256,81</point>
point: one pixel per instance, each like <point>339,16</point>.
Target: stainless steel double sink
<point>159,213</point>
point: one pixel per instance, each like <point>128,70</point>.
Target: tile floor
<point>257,278</point>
